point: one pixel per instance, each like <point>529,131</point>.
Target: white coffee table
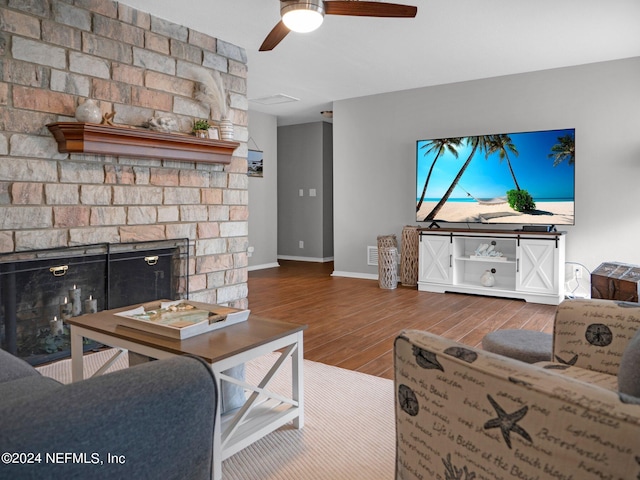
<point>263,412</point>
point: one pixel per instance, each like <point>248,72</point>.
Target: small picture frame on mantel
<point>214,133</point>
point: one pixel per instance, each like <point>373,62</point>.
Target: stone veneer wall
<point>54,54</point>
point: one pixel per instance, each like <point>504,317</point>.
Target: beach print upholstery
<point>593,334</point>
<point>467,414</point>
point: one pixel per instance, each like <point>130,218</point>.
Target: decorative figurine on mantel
<point>201,128</point>
<point>163,123</point>
<point>88,112</point>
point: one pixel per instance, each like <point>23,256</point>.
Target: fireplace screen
<point>39,290</point>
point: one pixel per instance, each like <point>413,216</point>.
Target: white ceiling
<point>449,41</point>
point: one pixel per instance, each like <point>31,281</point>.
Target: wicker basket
<point>388,267</point>
<point>409,256</point>
<point>387,241</point>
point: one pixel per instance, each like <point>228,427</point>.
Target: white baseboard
<point>305,259</point>
<point>366,276</point>
<point>263,266</point>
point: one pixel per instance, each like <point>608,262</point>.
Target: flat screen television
<point>525,178</point>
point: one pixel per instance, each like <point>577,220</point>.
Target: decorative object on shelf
<point>211,92</point>
<point>107,119</point>
<point>488,279</point>
<point>201,128</point>
<point>226,129</point>
<point>163,123</point>
<point>409,256</point>
<point>485,251</point>
<point>214,133</point>
<point>89,112</point>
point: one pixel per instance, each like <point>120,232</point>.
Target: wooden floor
<point>352,323</point>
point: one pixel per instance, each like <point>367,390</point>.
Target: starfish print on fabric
<point>507,422</point>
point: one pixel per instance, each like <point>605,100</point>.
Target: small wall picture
<point>254,160</point>
<point>214,133</point>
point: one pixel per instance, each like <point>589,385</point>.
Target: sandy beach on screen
<point>550,213</point>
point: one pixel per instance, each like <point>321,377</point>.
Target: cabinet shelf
<point>499,260</point>
<point>93,138</point>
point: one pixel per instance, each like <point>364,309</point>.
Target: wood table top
<point>211,346</point>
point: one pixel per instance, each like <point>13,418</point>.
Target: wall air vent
<point>372,255</point>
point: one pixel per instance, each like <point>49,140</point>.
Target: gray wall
<point>304,164</point>
<point>263,200</point>
<point>374,151</point>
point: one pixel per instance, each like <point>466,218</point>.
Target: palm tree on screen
<point>565,149</point>
<point>478,144</point>
<point>439,146</point>
<point>502,144</point>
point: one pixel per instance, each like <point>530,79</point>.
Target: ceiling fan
<point>310,13</point>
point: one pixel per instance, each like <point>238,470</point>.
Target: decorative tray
<point>180,319</point>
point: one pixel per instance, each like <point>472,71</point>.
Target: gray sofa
<point>147,422</point>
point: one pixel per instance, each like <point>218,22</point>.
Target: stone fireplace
<point>55,55</point>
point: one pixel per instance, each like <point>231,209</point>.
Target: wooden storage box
<point>616,281</point>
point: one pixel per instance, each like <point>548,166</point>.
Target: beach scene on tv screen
<point>515,178</point>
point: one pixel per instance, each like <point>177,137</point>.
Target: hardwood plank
<point>353,323</point>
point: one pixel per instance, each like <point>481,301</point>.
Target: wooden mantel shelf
<point>93,138</point>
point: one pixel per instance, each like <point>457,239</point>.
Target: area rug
<point>348,432</point>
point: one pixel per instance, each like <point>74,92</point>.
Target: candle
<point>90,305</point>
<point>65,310</point>
<point>55,326</point>
<point>74,295</point>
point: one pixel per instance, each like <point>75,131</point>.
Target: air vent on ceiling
<point>274,99</point>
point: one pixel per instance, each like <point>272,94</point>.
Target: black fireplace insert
<point>39,289</point>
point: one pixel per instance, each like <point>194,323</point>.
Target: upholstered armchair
<point>467,414</point>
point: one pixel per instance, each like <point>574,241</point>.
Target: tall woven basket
<point>409,256</point>
<point>387,262</point>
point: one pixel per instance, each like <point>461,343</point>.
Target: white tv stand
<point>531,267</point>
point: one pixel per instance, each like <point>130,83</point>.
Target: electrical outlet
<point>578,273</point>
<point>300,244</point>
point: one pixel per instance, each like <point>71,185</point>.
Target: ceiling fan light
<point>303,16</point>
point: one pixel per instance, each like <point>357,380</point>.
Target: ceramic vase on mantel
<point>89,112</point>
<point>226,129</point>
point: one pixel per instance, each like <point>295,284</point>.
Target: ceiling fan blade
<point>275,37</point>
<point>369,9</point>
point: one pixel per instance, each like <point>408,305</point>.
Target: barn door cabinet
<point>530,265</point>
